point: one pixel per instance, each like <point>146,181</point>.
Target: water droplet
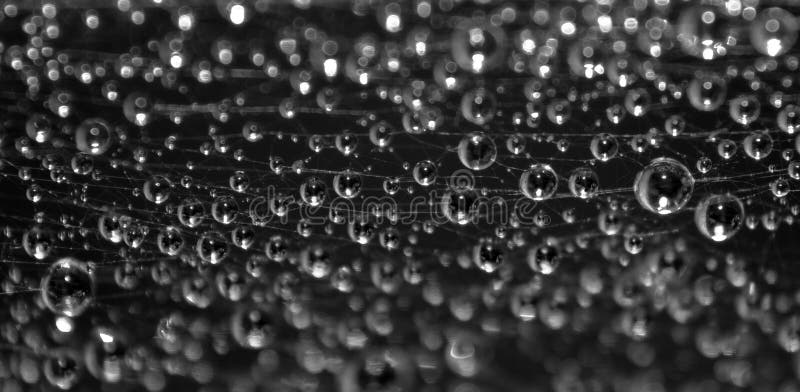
<point>68,287</point>
<point>347,184</point>
<point>584,183</point>
<point>774,31</point>
<point>719,216</point>
<point>157,189</point>
<point>477,151</point>
<point>93,136</point>
<point>539,182</point>
<point>479,106</point>
<point>604,147</point>
<point>425,173</point>
<point>664,186</point>
<point>707,92</point>
<point>313,191</point>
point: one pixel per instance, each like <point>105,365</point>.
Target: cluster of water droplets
<point>393,195</point>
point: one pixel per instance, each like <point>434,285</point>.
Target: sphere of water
<point>381,134</point>
<point>664,186</point>
<point>224,209</point>
<point>425,173</point>
<point>707,92</point>
<point>38,242</point>
<point>459,206</point>
<point>604,146</point>
<point>212,247</point>
<point>280,204</point>
<point>704,164</point>
<point>82,164</point>
<point>239,181</point>
<point>198,291</point>
<point>105,354</point>
<point>412,123</point>
<point>633,244</point>
<point>559,111</point>
<point>316,261</point>
<point>157,189</point>
<point>793,169</point>
<point>169,241</point>
<point>585,59</point>
<point>346,143</point>
<point>313,191</point>
<point>789,119</point>
<point>780,187</point>
<point>40,128</point>
<point>726,148</point>
<point>191,212</point>
<point>539,182</point>
<point>675,125</point>
<point>623,69</point>
<point>719,216</point>
<point>389,238</point>
<point>138,108</point>
<point>515,144</point>
<point>93,136</point>
<point>431,117</point>
<point>757,145</point>
<point>637,101</point>
<point>361,230</point>
<point>774,31</point>
<point>744,109</point>
<point>657,37</point>
<point>478,106</point>
<point>478,47</point>
<point>391,185</point>
<point>584,183</point>
<point>253,131</point>
<point>477,151</point>
<point>134,234</point>
<point>67,287</point>
<point>616,113</point>
<point>61,103</point>
<point>467,354</point>
<point>253,328</point>
<point>62,369</point>
<point>704,32</point>
<point>277,248</point>
<point>347,184</point>
<point>488,256</point>
<point>544,259</point>
<point>110,227</point>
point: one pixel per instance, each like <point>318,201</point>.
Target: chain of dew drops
<point>385,195</point>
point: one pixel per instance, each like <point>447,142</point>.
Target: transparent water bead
<point>719,216</point>
<point>477,151</point>
<point>539,182</point>
<point>664,186</point>
<point>68,287</point>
